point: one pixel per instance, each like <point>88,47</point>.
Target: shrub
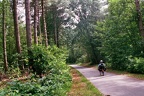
<point>38,59</point>
<point>57,79</point>
<point>136,65</point>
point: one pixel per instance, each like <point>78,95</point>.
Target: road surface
<point>112,84</point>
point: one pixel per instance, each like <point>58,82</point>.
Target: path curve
<point>112,84</point>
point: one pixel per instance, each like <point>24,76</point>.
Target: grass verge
<point>133,75</point>
<point>81,86</point>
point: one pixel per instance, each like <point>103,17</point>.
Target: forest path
<point>112,84</point>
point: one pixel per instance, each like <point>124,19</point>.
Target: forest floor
<point>113,84</point>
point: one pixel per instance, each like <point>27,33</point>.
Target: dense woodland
<point>40,37</point>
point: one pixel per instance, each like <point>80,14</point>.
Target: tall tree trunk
<point>16,30</point>
<point>28,25</point>
<point>55,30</point>
<point>39,26</point>
<point>35,21</point>
<point>4,37</point>
<point>140,23</point>
<point>57,36</point>
<point>58,30</point>
<point>44,23</point>
<point>28,31</point>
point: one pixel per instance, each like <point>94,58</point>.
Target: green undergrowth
<point>56,79</point>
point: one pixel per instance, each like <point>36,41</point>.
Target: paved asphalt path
<point>111,84</point>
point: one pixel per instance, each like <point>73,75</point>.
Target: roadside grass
<point>119,72</point>
<point>81,86</point>
<point>133,75</point>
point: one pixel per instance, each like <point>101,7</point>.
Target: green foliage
<point>120,34</point>
<point>13,72</point>
<point>38,59</point>
<point>22,89</point>
<point>51,85</point>
<point>58,84</point>
<point>11,44</point>
<point>82,59</point>
<point>57,79</point>
<point>136,65</point>
<point>80,40</point>
<point>44,58</point>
